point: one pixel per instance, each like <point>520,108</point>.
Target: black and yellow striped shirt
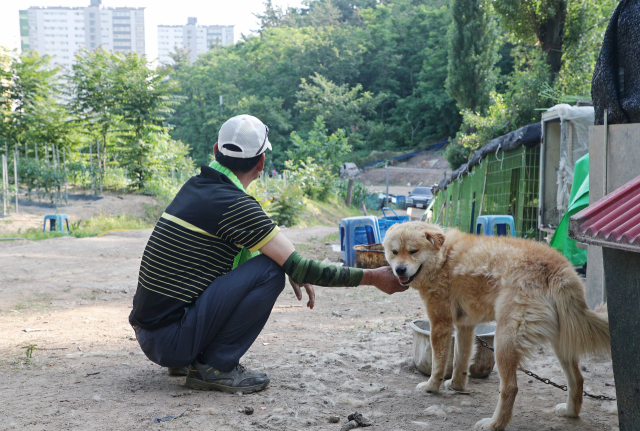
<point>195,241</point>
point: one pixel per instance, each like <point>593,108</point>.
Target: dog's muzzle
<point>405,281</point>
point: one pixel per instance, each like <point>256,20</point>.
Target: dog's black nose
<point>400,270</point>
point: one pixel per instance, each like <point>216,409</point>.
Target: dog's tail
<point>581,331</point>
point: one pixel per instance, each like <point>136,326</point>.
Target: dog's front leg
<point>440,348</point>
<point>462,354</point>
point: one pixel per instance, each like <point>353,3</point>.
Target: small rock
<point>583,368</point>
<point>248,410</point>
<point>96,398</point>
<point>334,419</point>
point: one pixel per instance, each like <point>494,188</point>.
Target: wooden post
<point>5,185</point>
<point>64,163</point>
<point>349,191</point>
<point>99,166</point>
<point>484,187</point>
<point>91,167</point>
<point>15,175</point>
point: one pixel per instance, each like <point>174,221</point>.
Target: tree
<point>340,106</point>
<point>31,108</point>
<point>143,100</point>
<point>326,149</point>
<point>473,53</point>
<point>557,26</point>
<point>92,100</point>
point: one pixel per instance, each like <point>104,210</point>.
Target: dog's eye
<point>394,251</point>
<point>413,251</point>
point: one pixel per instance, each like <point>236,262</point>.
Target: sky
<point>157,12</point>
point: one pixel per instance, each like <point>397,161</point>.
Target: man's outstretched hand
<point>384,279</point>
<point>310,292</point>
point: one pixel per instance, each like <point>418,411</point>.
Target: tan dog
<point>531,291</point>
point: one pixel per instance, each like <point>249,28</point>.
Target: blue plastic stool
<point>500,222</point>
<point>55,223</point>
<point>387,221</point>
<point>355,231</point>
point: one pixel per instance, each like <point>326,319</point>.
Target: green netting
<point>511,188</point>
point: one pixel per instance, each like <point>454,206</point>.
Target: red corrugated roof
<point>613,221</point>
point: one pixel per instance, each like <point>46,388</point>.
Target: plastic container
<point>370,256</point>
<point>388,221</point>
<point>481,363</point>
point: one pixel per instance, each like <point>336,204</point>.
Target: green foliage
<point>91,227</point>
<point>341,107</point>
<point>45,179</point>
<point>329,150</point>
<point>286,206</point>
<point>508,112</point>
<point>457,154</point>
<point>29,108</point>
<point>358,194</point>
<point>566,31</point>
<point>473,53</point>
<point>29,348</point>
<point>316,181</point>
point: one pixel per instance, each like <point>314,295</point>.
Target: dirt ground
<point>71,298</point>
<point>425,169</point>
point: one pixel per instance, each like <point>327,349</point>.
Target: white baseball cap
<point>243,137</point>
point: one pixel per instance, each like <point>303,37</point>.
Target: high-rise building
<point>61,31</point>
<point>195,39</point>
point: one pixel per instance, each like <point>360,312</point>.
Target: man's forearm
<point>307,271</point>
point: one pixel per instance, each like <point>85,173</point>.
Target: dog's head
<point>412,248</point>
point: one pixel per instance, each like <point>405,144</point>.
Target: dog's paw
<point>428,386</point>
<point>449,384</point>
<point>562,410</point>
<point>485,424</point>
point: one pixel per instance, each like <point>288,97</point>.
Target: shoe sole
<point>204,386</point>
<point>178,373</point>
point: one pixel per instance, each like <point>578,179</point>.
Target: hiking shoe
<point>240,379</point>
<point>178,371</point>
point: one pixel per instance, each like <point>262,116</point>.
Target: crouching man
<point>203,295</point>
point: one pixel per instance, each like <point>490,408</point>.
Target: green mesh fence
<point>511,189</point>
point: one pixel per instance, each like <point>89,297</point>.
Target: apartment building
<point>195,39</point>
<point>61,31</point>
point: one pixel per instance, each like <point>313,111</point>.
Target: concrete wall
<point>623,165</point>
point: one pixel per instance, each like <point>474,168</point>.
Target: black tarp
<point>529,136</point>
<point>616,79</point>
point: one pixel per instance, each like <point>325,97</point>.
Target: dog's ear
<point>392,227</point>
<point>436,239</point>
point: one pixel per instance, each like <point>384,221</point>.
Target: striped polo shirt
<point>196,240</point>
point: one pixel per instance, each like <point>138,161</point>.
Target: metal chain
<point>547,381</point>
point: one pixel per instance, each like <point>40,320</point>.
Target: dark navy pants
<point>225,320</point>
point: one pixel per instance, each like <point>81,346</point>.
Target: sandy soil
<point>353,352</point>
<point>79,207</point>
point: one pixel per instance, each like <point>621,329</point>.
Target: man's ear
<point>436,239</point>
<point>215,149</point>
<point>260,164</point>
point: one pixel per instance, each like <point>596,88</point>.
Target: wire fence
<point>505,183</point>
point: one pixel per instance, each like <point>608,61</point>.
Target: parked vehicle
<point>420,197</point>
